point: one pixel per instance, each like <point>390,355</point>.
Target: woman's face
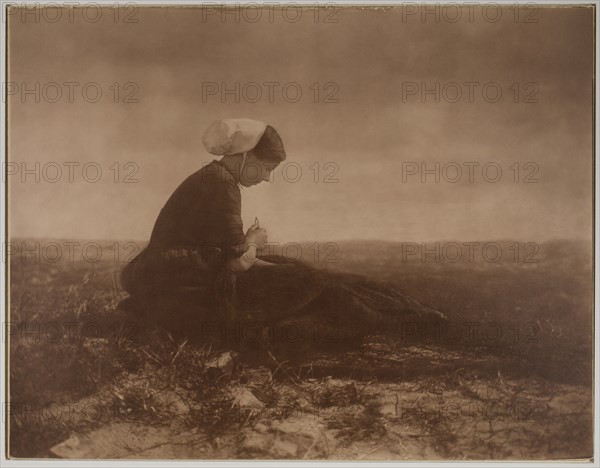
<point>256,170</point>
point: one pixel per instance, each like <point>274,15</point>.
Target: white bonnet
<point>232,136</point>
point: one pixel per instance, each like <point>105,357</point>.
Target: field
<point>512,378</point>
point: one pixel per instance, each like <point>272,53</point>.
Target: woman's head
<point>251,149</point>
<point>259,162</point>
<point>270,147</point>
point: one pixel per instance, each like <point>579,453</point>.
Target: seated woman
<point>200,268</point>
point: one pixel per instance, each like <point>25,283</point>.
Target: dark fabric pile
<point>293,296</point>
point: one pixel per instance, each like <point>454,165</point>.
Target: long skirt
<point>290,301</point>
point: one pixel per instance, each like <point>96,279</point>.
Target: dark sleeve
<point>228,201</point>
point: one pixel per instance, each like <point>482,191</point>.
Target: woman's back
<point>205,210</point>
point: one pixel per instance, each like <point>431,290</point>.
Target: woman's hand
<point>256,235</point>
<point>256,238</point>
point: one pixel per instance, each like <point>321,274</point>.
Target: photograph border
<point>4,285</point>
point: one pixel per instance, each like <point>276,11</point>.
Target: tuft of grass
<point>367,424</point>
<point>327,396</point>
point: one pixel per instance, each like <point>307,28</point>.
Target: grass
<point>69,345</point>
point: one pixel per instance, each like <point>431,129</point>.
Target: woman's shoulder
<point>211,177</point>
<point>212,182</point>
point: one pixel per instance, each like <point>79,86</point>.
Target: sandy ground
<point>463,406</point>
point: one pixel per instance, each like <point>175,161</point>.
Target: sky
<point>361,146</point>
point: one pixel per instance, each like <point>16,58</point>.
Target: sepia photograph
<point>311,232</point>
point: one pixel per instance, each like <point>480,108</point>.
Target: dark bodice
<point>204,213</point>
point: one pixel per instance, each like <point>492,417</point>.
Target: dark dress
<point>181,280</point>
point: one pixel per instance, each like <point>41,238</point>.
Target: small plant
<point>344,395</point>
<point>367,424</point>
